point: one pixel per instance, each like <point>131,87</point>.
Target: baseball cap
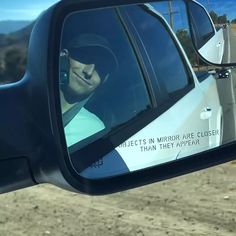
<point>94,49</point>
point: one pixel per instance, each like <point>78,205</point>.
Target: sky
<point>23,9</point>
<point>221,7</point>
<point>179,13</point>
<point>30,9</point>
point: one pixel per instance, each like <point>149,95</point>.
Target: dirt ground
<point>203,203</point>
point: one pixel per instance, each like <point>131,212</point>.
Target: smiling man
<point>85,65</point>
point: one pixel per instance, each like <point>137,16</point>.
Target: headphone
<point>64,66</point>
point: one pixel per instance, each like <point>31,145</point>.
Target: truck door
<point>159,112</point>
<point>184,119</point>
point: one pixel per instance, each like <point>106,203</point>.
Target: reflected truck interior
<point>118,75</point>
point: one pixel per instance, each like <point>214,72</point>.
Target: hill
<point>9,26</point>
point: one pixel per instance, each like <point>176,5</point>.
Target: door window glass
<point>102,87</point>
<point>161,49</point>
<point>202,28</point>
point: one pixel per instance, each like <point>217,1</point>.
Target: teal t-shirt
<point>83,125</point>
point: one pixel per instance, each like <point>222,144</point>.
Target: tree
<point>222,19</point>
<point>2,69</point>
<point>15,64</point>
<point>233,21</point>
<point>186,42</point>
<point>214,17</point>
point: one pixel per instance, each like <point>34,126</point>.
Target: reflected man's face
<point>84,79</point>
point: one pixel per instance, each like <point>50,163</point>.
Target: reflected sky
<point>178,12</point>
<point>221,7</point>
<point>30,9</point>
<point>23,9</point>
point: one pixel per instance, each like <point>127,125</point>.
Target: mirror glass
<point>130,98</point>
<point>213,25</point>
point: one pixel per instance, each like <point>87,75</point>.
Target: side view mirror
<point>213,30</point>
<point>109,102</point>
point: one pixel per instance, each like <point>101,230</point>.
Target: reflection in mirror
<point>175,13</point>
<point>129,97</point>
<point>214,29</point>
<point>102,86</point>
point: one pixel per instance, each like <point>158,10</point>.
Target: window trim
<point>169,98</point>
<point>139,57</point>
<point>159,91</point>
